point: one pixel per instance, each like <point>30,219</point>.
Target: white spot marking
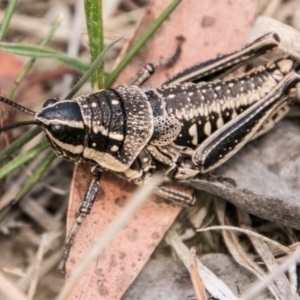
<point>233,115</point>
<point>116,136</point>
<point>114,148</point>
<point>220,122</point>
<point>193,133</point>
<point>207,128</point>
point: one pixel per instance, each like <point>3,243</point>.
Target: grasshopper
<point>188,126</point>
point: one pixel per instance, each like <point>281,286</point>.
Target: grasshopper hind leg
<point>181,198</point>
<point>230,138</point>
<point>144,74</point>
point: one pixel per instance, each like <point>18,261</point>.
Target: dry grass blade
<point>74,41</point>
<point>283,249</point>
<point>293,276</point>
<point>259,286</point>
<point>239,254</point>
<point>213,284</point>
<point>14,271</point>
<point>281,288</point>
<point>10,290</point>
<point>37,266</point>
<point>267,257</point>
<point>37,270</point>
<point>195,276</point>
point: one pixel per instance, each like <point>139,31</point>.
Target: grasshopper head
<point>64,128</point>
<point>62,124</point>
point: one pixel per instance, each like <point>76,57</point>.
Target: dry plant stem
<point>272,7</point>
<point>28,25</point>
<point>119,223</point>
<point>13,271</point>
<point>12,192</point>
<point>73,42</point>
<point>260,285</point>
<point>25,282</point>
<point>9,290</point>
<point>281,280</point>
<point>292,274</point>
<point>37,267</point>
<point>195,276</point>
<point>118,24</point>
<point>266,255</point>
<point>40,215</point>
<point>284,249</point>
<point>109,7</point>
<point>238,253</point>
<point>49,263</point>
<point>213,285</point>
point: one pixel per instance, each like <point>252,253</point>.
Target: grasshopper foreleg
<point>84,210</point>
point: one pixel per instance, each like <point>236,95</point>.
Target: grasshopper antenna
<point>20,108</point>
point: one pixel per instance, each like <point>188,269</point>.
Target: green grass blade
<point>90,71</point>
<point>35,177</point>
<point>17,144</point>
<point>140,43</point>
<point>8,14</point>
<point>93,16</point>
<point>29,65</point>
<point>40,52</point>
<point>22,159</point>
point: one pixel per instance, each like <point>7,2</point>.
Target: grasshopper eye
<point>49,102</point>
<point>59,131</point>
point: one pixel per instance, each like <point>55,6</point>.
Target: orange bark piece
<point>210,28</point>
<point>11,66</point>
